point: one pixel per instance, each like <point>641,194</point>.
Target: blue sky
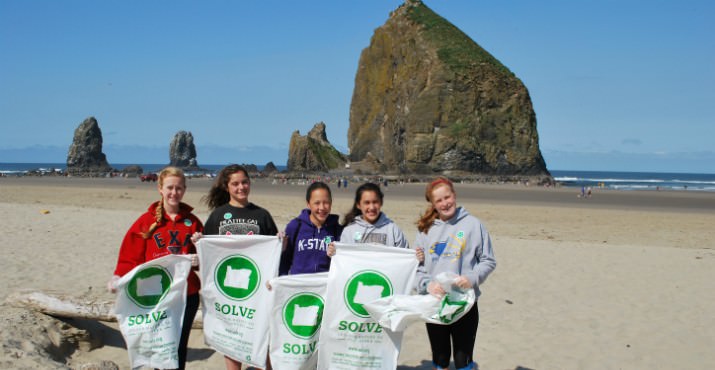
<point>616,85</point>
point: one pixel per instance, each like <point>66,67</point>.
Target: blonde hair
<point>159,214</point>
<point>425,221</point>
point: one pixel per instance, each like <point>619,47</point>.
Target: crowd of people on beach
<point>449,239</point>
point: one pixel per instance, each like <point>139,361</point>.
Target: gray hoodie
<point>383,231</point>
<point>460,245</point>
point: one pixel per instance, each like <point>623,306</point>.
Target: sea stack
<point>313,152</point>
<point>428,99</point>
<point>182,152</point>
<point>85,157</point>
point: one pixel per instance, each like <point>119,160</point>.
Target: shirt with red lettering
<point>170,237</point>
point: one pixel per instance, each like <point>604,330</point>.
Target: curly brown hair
<point>218,194</point>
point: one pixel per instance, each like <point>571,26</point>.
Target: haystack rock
<point>313,152</point>
<point>85,155</point>
<point>428,99</point>
<point>182,152</point>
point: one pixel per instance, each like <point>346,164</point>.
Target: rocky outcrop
<point>270,168</point>
<point>313,152</point>
<point>85,155</point>
<point>428,99</point>
<point>182,152</point>
<point>251,168</point>
<point>133,170</point>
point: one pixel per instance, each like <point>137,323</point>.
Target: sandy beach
<point>623,280</point>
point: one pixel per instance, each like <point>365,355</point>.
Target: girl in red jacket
<point>166,228</point>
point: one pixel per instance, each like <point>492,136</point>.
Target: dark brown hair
<point>355,211</point>
<point>315,186</point>
<point>218,194</point>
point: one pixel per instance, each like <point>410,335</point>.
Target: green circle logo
<point>149,286</point>
<point>363,287</point>
<point>237,277</point>
<point>303,313</point>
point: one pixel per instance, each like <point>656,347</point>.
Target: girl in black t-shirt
<point>233,214</point>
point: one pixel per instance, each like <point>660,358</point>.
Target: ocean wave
<point>693,182</point>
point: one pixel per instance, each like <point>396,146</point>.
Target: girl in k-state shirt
<point>307,236</point>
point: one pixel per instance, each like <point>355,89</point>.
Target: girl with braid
<point>166,228</point>
<point>454,242</point>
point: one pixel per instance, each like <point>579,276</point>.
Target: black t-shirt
<point>249,220</point>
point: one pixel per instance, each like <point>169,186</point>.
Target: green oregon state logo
<point>237,277</point>
<point>363,287</point>
<point>149,286</point>
<point>303,313</point>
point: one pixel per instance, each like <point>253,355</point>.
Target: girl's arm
<point>423,277</point>
<point>132,251</point>
<point>399,236</point>
<point>272,228</point>
<point>288,249</point>
<point>211,226</point>
<point>482,263</point>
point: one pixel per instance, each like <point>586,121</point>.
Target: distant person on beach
<point>308,235</point>
<point>588,192</point>
<point>233,214</point>
<point>366,223</point>
<point>164,220</point>
<point>454,241</point>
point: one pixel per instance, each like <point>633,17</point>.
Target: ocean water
<point>606,179</point>
<point>19,169</point>
<point>636,180</point>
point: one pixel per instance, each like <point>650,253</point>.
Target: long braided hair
<point>431,214</point>
<point>159,213</point>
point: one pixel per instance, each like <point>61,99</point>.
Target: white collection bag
<point>399,311</point>
<point>236,303</point>
<point>359,274</point>
<point>298,306</point>
<point>150,310</point>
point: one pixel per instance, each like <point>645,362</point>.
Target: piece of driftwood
<point>66,306</point>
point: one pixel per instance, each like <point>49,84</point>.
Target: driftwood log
<point>66,306</point>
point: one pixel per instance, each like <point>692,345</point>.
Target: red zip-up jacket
<point>176,234</point>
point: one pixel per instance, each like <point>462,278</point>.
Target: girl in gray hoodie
<point>366,223</point>
<point>453,241</point>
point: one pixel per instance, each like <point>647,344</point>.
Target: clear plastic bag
<point>397,312</point>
